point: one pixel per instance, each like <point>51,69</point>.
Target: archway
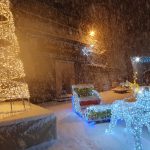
<point>146,77</point>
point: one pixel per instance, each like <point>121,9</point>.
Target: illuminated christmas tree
<point>12,85</point>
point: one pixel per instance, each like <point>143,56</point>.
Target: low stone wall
<point>25,133</point>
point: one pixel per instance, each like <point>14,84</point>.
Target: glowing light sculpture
<point>136,115</point>
<point>84,96</point>
<point>100,113</point>
<point>86,103</point>
<point>12,85</point>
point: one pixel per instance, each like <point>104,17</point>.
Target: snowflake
<point>87,51</point>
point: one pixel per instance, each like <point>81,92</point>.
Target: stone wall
<point>24,133</point>
<point>56,31</point>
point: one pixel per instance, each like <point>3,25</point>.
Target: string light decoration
<point>143,59</point>
<point>135,114</point>
<point>87,51</point>
<point>12,85</point>
<point>136,59</point>
<point>101,113</point>
<point>134,86</point>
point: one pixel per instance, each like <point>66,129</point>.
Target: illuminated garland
<point>98,113</point>
<point>134,86</point>
<point>142,59</point>
<point>145,59</point>
<point>136,115</point>
<point>11,67</point>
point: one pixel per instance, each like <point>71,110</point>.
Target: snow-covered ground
<point>76,134</point>
<point>13,108</point>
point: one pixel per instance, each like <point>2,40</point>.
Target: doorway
<point>65,77</point>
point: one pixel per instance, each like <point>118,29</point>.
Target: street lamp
<point>92,33</point>
<point>137,59</point>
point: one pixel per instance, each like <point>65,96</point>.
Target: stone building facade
<point>52,35</point>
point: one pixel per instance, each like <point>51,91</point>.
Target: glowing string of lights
<point>136,115</point>
<point>142,59</point>
<point>11,67</point>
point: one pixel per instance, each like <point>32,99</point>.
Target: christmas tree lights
<point>12,85</point>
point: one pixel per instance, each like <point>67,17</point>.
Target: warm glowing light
<point>92,33</point>
<point>92,45</point>
<point>11,67</point>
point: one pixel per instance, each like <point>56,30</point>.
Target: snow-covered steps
<point>63,98</point>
